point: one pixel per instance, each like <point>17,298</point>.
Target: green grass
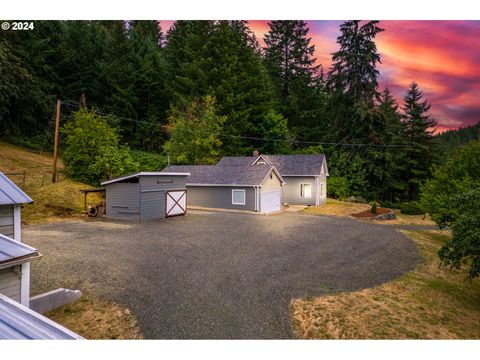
<point>50,201</point>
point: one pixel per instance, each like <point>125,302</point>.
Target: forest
<point>204,89</point>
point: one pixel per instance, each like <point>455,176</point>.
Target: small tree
<point>194,133</point>
<point>452,198</point>
<point>92,152</point>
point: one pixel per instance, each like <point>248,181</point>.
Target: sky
<point>442,57</point>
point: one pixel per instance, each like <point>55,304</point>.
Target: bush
<point>373,209</point>
<point>337,187</point>
<point>149,161</point>
<point>92,151</point>
<point>390,205</point>
<point>411,208</point>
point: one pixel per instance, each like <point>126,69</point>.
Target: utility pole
<point>55,146</point>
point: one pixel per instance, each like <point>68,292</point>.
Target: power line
<point>72,104</point>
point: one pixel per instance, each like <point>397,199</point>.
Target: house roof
<point>19,322</point>
<point>14,252</point>
<point>126,177</point>
<point>287,165</point>
<point>11,194</point>
<point>223,175</point>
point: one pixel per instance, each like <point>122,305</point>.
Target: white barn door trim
<point>175,203</point>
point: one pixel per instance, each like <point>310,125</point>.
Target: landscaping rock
<point>387,216</point>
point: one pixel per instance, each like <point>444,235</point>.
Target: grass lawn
<point>344,208</point>
<point>51,201</point>
<point>96,319</point>
<point>430,302</point>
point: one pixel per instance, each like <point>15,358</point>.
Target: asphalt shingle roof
<point>223,175</point>
<point>298,164</point>
<point>11,194</point>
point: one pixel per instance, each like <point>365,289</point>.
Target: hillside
<point>50,200</point>
<point>453,138</point>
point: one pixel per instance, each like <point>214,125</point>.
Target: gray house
<point>14,276</point>
<point>146,196</point>
<point>305,174</point>
<point>246,188</point>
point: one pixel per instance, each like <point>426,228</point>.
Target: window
<point>238,197</point>
<point>321,189</point>
<point>306,190</point>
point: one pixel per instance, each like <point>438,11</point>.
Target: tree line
<point>204,89</point>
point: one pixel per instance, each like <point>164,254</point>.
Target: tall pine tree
<point>290,61</point>
<point>420,155</point>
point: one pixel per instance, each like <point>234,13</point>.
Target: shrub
<point>411,208</point>
<point>373,209</point>
<point>149,161</point>
<point>390,205</point>
<point>337,187</point>
<point>92,151</point>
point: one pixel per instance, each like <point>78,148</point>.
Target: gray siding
<point>219,197</point>
<point>149,183</point>
<point>6,220</point>
<point>152,205</point>
<point>10,282</point>
<point>152,188</point>
<point>123,201</point>
<point>291,190</point>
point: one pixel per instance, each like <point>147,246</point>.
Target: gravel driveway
<point>217,274</point>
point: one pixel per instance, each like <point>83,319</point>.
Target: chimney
<point>255,153</point>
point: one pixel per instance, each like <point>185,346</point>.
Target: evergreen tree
<point>220,59</point>
<point>393,189</point>
<point>118,71</point>
<point>149,84</point>
<point>420,155</point>
<point>353,83</point>
<point>353,86</point>
<point>289,58</point>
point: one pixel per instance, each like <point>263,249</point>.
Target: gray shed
<point>146,196</point>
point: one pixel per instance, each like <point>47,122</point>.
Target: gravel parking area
<point>217,275</point>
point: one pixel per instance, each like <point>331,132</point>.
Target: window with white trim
<point>306,190</point>
<point>238,197</point>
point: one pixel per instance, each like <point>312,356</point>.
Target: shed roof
<point>225,175</point>
<point>15,252</point>
<point>19,322</point>
<point>126,177</point>
<point>287,165</point>
<point>11,194</point>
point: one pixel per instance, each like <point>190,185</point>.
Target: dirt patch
<point>369,214</point>
<point>96,319</point>
<point>430,302</point>
<point>336,208</point>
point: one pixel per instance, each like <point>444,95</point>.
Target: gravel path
<point>216,274</point>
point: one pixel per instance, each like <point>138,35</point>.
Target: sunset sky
<point>443,57</point>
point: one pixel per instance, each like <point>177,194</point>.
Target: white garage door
<point>270,201</point>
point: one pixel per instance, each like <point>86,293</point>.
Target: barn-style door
<point>175,202</point>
